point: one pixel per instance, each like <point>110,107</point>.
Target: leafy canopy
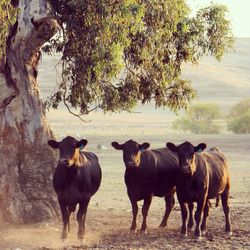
<point>200,119</point>
<point>116,53</point>
<point>239,117</point>
<point>7,19</point>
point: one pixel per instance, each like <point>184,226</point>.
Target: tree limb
<point>67,106</point>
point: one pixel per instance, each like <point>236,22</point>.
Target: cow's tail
<point>209,204</point>
<point>217,201</point>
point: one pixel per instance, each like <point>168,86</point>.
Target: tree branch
<point>67,106</point>
<point>44,29</point>
<point>130,70</point>
<point>74,114</point>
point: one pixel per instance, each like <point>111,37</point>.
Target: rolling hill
<point>225,83</point>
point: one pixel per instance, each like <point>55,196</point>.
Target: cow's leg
<point>134,212</point>
<point>224,201</point>
<point>81,216</point>
<point>169,204</point>
<point>69,223</point>
<point>145,208</point>
<point>65,217</point>
<point>184,218</point>
<point>191,217</point>
<point>205,215</point>
<point>197,217</point>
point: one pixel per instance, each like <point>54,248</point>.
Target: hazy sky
<point>239,13</point>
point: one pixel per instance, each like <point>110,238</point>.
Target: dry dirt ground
<point>109,215</point>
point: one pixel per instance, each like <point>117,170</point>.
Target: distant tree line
<point>207,118</point>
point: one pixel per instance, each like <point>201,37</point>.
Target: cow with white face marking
<point>149,173</point>
<point>203,176</point>
<point>77,177</point>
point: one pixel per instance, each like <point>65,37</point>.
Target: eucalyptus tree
<point>114,54</point>
<point>25,183</point>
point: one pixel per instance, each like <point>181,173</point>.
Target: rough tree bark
<point>26,193</point>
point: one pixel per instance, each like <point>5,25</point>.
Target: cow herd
<point>194,174</point>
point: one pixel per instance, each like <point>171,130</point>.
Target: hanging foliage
<point>116,53</point>
<point>7,19</point>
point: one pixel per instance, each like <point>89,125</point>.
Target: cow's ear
<point>144,146</point>
<point>116,145</point>
<point>81,144</point>
<point>171,147</point>
<point>53,143</point>
<point>200,147</point>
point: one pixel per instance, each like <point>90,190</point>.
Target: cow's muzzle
<point>130,164</point>
<point>63,162</point>
<point>186,169</point>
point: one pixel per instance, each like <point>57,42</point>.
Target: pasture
<point>109,214</point>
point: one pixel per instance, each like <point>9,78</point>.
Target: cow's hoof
<point>144,231</point>
<point>229,234</point>
<point>64,235</point>
<point>203,232</point>
<point>184,235</point>
<point>162,225</point>
<point>197,238</point>
<point>80,236</point>
<point>162,228</point>
<point>82,240</point>
<point>133,231</point>
<point>190,226</point>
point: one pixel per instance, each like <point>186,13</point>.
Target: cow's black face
<point>186,154</point>
<point>131,152</point>
<point>69,150</point>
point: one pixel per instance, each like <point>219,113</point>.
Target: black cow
<point>149,173</point>
<point>76,178</point>
<point>203,176</point>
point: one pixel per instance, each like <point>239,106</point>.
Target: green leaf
<point>118,53</point>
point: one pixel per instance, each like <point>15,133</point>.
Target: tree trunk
<point>27,163</point>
